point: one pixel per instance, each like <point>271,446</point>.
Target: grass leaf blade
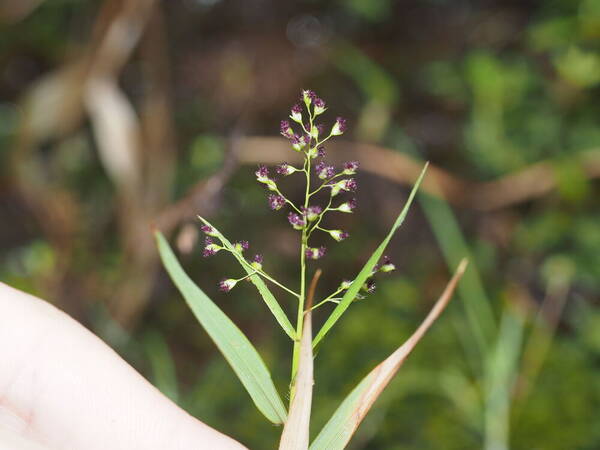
<point>236,348</point>
<point>338,431</point>
<point>365,272</point>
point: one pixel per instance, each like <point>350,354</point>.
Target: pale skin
<point>62,388</point>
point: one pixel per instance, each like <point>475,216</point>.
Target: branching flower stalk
<point>305,216</point>
<point>324,188</point>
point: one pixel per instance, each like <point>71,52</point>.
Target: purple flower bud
<point>324,172</point>
<point>226,285</point>
<point>285,129</point>
<point>312,212</point>
<point>338,235</point>
<point>369,287</point>
<point>298,142</point>
<point>308,96</point>
<point>262,172</point>
<point>386,265</point>
<point>349,185</point>
<point>350,167</point>
<point>241,246</point>
<point>285,169</point>
<point>321,151</point>
<point>211,248</point>
<point>262,176</point>
<point>207,229</point>
<point>338,127</point>
<point>348,206</point>
<point>296,115</point>
<point>319,106</point>
<point>257,262</point>
<point>276,202</point>
<point>297,221</point>
<point>315,253</point>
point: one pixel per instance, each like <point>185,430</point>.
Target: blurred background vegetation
<point>120,115</point>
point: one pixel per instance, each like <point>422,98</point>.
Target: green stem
<point>261,272</point>
<point>325,183</point>
<point>301,299</point>
<point>318,221</point>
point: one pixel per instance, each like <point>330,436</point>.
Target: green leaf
<point>338,431</point>
<point>237,349</point>
<point>266,294</point>
<point>362,276</point>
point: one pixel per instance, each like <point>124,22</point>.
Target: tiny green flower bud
<point>257,262</point>
<point>315,253</point>
<point>350,167</point>
<point>338,235</point>
<point>347,207</point>
<point>227,284</point>
<point>343,185</point>
<point>338,127</point>
<point>314,132</point>
<point>211,248</point>
<point>241,246</point>
<point>345,284</point>
<point>298,142</point>
<point>208,230</point>
<point>296,221</point>
<point>312,212</point>
<point>296,115</point>
<point>319,106</point>
<point>387,265</point>
<point>307,96</point>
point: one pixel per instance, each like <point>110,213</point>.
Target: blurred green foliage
<point>482,89</point>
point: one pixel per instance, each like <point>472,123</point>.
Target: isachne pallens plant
<point>327,191</point>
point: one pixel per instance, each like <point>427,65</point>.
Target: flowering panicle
<point>306,137</point>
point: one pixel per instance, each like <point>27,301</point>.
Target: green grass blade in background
<point>362,276</point>
<point>164,375</point>
<point>266,294</point>
<point>345,421</point>
<point>236,348</point>
<point>502,371</point>
<point>453,244</point>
